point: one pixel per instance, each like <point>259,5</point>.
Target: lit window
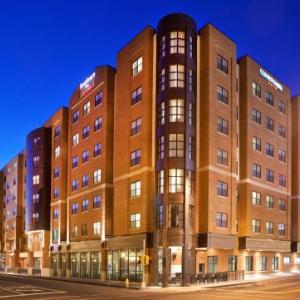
<point>136,96</point>
<point>176,76</point>
<point>35,217</point>
<point>74,231</point>
<point>75,161</point>
<point>74,208</point>
<point>160,216</point>
<point>282,155</point>
<point>136,126</point>
<point>35,179</point>
<point>97,176</point>
<point>162,80</point>
<point>177,42</point>
<point>84,205</point>
<point>86,108</point>
<point>256,89</point>
<point>137,66</point>
<point>222,64</point>
<point>97,228</point>
<point>269,227</point>
<point>176,180</point>
<point>35,198</point>
<point>221,220</point>
<point>75,139</point>
<point>176,110</point>
<point>175,215</point>
<point>255,226</point>
<point>135,221</point>
<point>74,185</point>
<point>163,46</point>
<point>57,151</point>
<point>36,141</point>
<point>287,260</point>
<point>57,132</point>
<point>85,156</point>
<point>135,189</point>
<point>176,145</point>
<point>262,263</point>
<point>256,143</point>
<point>160,185</point>
<point>85,181</point>
<point>281,229</point>
<point>256,198</point>
<point>162,113</point>
<point>35,160</point>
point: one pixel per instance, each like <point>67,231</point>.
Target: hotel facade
<point>182,160</point>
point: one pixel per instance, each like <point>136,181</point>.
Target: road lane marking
<point>27,295</point>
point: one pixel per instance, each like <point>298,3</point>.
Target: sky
<point>48,47</point>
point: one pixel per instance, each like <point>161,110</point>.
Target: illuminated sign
<point>271,80</point>
<point>87,84</point>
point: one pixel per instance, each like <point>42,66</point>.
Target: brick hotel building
<point>182,160</point>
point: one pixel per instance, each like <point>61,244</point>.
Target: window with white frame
<point>135,189</point>
<point>97,176</point>
<point>176,180</point>
<point>176,76</point>
<point>135,221</point>
<point>137,66</point>
<point>75,139</point>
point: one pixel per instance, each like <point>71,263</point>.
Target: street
<point>12,287</point>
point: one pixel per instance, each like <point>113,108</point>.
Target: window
<point>270,175</point>
<point>35,217</point>
<point>57,152</point>
<point>74,231</point>
<point>176,76</point>
<point>191,151</point>
<point>176,110</point>
<point>175,215</point>
<point>270,149</point>
<point>162,79</point>
<point>281,107</point>
<point>222,94</point>
<point>136,126</point>
<point>287,260</point>
<point>160,216</point>
<point>176,145</point>
<point>136,96</point>
<point>269,201</point>
<point>282,180</point>
<point>97,150</point>
<point>222,64</point>
<point>248,263</point>
<point>135,157</point>
<point>232,263</point>
<point>55,213</point>
<point>135,221</point>
<point>176,179</point>
<point>256,198</point>
<point>191,114</point>
<point>191,80</point>
<point>35,160</point>
<point>222,157</point>
<point>222,126</point>
<point>135,189</point>
<point>163,46</point>
<point>191,216</point>
<point>281,229</point>
<point>177,42</point>
<point>35,179</point>
<point>85,205</point>
<point>282,155</point>
<point>160,179</point>
<point>270,124</point>
<point>74,208</point>
<point>97,228</point>
<point>86,108</point>
<point>222,188</point>
<point>137,66</point>
<point>262,263</point>
<point>161,113</point>
<point>275,263</point>
<point>190,46</point>
<point>256,116</point>
<point>55,235</point>
<point>97,176</point>
<point>256,170</point>
<point>84,230</point>
<point>74,185</point>
<point>269,227</point>
<point>256,143</point>
<point>85,156</point>
<point>98,124</point>
<point>190,183</point>
<point>161,147</point>
<point>98,98</point>
<point>75,162</point>
<point>75,139</point>
<point>221,220</point>
<point>96,201</point>
<point>270,98</point>
<point>282,131</point>
<point>56,193</point>
<point>85,132</point>
<point>75,116</point>
<point>256,89</point>
<point>282,205</point>
<point>35,198</point>
<point>255,226</point>
<point>212,264</point>
<point>85,181</point>
<point>36,141</point>
<point>57,131</point>
<point>56,172</point>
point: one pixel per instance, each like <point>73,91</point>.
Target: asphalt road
<point>36,288</point>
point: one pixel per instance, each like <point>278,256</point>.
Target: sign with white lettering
<point>271,80</point>
<point>87,84</point>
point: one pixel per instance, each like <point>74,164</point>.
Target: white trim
<point>218,170</point>
<point>137,172</point>
<point>99,187</point>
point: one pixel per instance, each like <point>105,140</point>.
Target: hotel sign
<point>87,84</point>
<point>271,80</point>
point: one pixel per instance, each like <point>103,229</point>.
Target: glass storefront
<point>175,271</point>
<point>75,264</point>
<point>123,264</point>
<point>37,263</point>
<point>84,265</point>
<point>55,264</point>
<point>64,265</point>
<point>95,265</point>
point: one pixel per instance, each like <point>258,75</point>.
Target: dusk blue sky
<point>48,47</point>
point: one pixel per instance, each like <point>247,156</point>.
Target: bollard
<point>127,283</point>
